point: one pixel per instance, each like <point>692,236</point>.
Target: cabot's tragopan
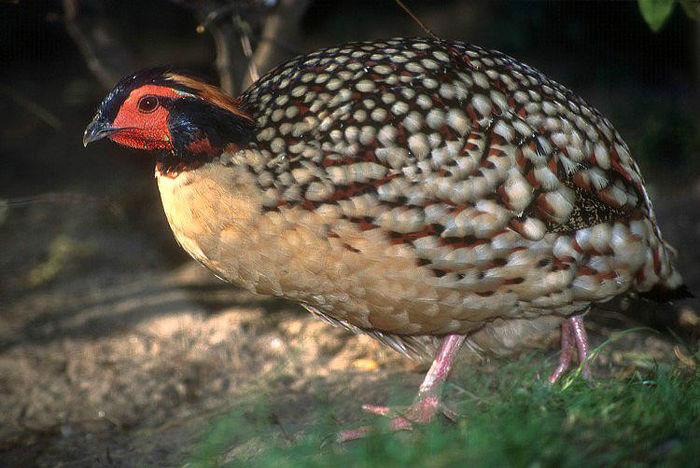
<point>430,193</point>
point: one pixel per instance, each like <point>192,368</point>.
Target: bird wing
<point>418,136</point>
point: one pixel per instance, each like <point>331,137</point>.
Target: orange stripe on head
<point>161,109</point>
<point>209,93</point>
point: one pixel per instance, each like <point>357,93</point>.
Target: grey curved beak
<point>97,130</point>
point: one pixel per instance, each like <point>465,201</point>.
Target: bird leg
<point>427,403</point>
<point>581,339</point>
<point>566,351</point>
<point>573,333</point>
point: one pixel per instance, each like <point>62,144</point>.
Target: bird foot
<point>422,411</point>
<point>428,403</point>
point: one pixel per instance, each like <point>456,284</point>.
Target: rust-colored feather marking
<point>210,93</point>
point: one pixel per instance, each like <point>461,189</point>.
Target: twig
<point>57,197</point>
<point>223,63</point>
<point>288,48</point>
<point>61,198</point>
<point>214,15</point>
<point>70,13</point>
<point>229,61</point>
<point>415,18</point>
<point>237,62</point>
<point>244,29</point>
<point>282,25</point>
<point>34,108</point>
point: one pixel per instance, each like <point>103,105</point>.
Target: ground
<point>116,350</point>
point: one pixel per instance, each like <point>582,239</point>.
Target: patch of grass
<point>509,418</point>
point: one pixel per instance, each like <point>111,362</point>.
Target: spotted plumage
<point>510,195</point>
<point>413,189</point>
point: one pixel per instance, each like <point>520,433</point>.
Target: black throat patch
<point>199,133</point>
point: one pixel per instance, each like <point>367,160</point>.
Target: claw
<point>352,434</point>
<point>377,410</point>
<point>449,413</point>
<point>421,412</point>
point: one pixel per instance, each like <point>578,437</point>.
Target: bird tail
<point>669,284</point>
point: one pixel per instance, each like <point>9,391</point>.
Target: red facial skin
<point>147,128</point>
<point>144,130</point>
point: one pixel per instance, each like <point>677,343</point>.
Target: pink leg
<point>428,401</point>
<point>572,328</point>
<point>579,332</point>
<point>566,351</point>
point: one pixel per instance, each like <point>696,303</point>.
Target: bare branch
<point>217,19</point>
<point>214,15</point>
<point>233,23</point>
<point>244,29</point>
<point>60,198</point>
<point>230,61</point>
<point>416,19</point>
<point>104,56</point>
<point>281,27</point>
<point>289,49</point>
<point>224,67</point>
<point>31,106</point>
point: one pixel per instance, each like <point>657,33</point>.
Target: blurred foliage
<point>61,252</point>
<point>511,418</point>
<point>691,8</point>
<point>657,12</point>
<point>668,139</point>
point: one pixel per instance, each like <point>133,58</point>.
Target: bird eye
<point>148,104</point>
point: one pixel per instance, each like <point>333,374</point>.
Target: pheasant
<point>430,193</point>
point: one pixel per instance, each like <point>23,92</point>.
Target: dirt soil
<point>115,349</point>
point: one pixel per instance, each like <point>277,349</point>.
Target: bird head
<point>159,109</point>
